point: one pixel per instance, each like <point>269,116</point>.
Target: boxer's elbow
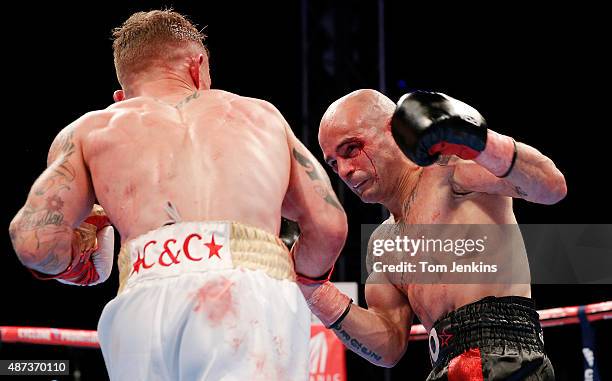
<point>560,187</point>
<point>392,356</point>
<point>319,245</point>
<point>389,362</point>
<point>36,253</point>
<point>327,231</point>
<point>399,349</point>
<point>393,349</point>
<point>19,242</point>
<point>335,233</point>
<point>46,262</point>
<point>556,188</point>
<point>29,258</point>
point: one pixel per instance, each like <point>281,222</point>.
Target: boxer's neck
<point>164,90</point>
<point>407,185</point>
<point>169,88</point>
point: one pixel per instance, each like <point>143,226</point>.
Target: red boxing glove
<point>91,263</point>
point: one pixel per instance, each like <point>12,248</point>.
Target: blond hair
<point>153,38</point>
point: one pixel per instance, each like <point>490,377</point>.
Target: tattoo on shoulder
<point>63,144</point>
<point>356,345</point>
<point>312,171</point>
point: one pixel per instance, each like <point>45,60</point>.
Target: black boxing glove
<point>426,125</point>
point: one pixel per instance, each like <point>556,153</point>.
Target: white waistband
<point>191,247</point>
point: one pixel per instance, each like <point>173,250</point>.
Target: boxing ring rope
<point>89,339</point>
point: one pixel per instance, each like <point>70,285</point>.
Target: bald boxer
<point>196,181</point>
<point>432,160</point>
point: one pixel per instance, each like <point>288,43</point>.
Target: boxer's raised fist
<point>426,125</point>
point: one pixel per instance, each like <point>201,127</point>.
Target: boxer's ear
<point>194,69</point>
<point>118,95</point>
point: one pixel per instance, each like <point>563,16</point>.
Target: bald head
<point>361,108</point>
<point>356,140</point>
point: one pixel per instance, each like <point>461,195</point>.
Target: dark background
<point>535,72</point>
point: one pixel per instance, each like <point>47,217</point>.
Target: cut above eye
<point>352,151</point>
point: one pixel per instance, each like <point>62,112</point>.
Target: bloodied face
<point>357,144</point>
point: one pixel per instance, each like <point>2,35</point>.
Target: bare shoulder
<point>72,134</point>
<point>243,100</point>
<point>265,105</point>
<point>87,122</point>
<point>228,96</point>
<point>127,104</point>
<point>93,119</point>
<point>260,108</point>
<point>259,104</point>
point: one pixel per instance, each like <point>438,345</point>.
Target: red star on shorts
<point>444,338</point>
<point>139,262</point>
<point>214,248</point>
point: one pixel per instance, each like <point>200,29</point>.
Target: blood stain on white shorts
<point>214,299</point>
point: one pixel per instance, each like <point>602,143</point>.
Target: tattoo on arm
<point>356,346</point>
<point>62,145</point>
<point>47,195</point>
<point>40,231</point>
<point>520,191</point>
<point>313,173</point>
<point>63,171</point>
<point>49,214</point>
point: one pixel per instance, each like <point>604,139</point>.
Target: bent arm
<point>311,202</point>
<point>379,333</point>
<point>59,200</point>
<point>534,177</point>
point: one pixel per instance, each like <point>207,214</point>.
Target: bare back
<point>214,156</point>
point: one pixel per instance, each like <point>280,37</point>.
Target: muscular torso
<point>436,201</point>
<point>216,156</point>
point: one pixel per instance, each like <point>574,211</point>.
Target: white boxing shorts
<point>206,301</point>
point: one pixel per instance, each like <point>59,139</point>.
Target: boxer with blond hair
<point>195,180</point>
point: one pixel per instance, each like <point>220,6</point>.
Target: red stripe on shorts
<point>467,366</point>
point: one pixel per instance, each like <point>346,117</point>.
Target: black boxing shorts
<point>491,339</point>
